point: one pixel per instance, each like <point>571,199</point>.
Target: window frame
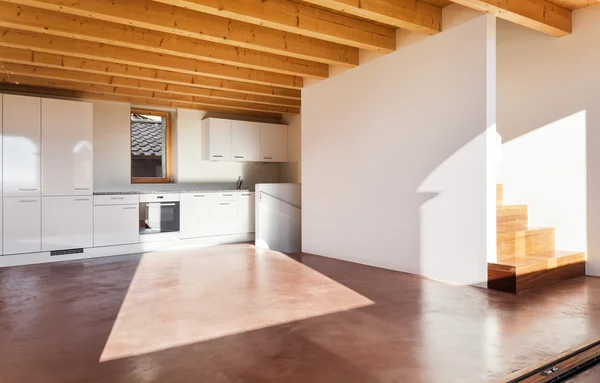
<point>167,148</point>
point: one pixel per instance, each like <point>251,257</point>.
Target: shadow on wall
<point>450,226</point>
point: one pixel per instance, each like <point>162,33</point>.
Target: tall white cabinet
<point>21,170</point>
<point>47,177</point>
<point>67,158</point>
<point>21,146</point>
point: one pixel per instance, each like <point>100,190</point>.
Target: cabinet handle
<point>27,200</point>
<point>227,195</point>
<point>117,197</point>
<point>130,208</point>
<point>81,199</point>
<point>82,188</point>
<point>268,158</point>
<point>223,203</point>
<point>159,197</point>
<point>246,195</point>
<point>199,195</point>
<point>27,189</point>
<point>217,156</point>
<point>238,156</point>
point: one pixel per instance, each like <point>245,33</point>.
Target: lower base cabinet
<point>116,225</point>
<point>67,223</point>
<point>226,217</point>
<point>22,225</point>
<point>246,213</point>
<point>197,215</point>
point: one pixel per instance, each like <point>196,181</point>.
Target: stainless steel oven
<point>159,213</point>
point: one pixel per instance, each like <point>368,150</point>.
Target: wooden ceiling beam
<point>7,86</point>
<point>184,22</point>
<point>413,15</point>
<point>170,80</point>
<point>64,25</point>
<point>541,15</point>
<point>36,80</point>
<point>301,19</point>
<point>153,86</point>
<point>98,51</point>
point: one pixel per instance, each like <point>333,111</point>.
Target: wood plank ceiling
<point>245,57</point>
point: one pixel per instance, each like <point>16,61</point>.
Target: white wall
<point>112,151</point>
<point>396,158</point>
<point>548,117</point>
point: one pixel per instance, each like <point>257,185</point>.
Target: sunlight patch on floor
<point>185,297</point>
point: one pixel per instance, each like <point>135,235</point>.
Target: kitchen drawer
<point>159,197</point>
<point>120,199</point>
<point>229,196</point>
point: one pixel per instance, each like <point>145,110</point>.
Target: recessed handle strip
<point>199,195</point>
<point>27,200</point>
<point>27,189</point>
<point>217,156</point>
<point>268,158</point>
<point>238,156</point>
<point>130,208</point>
<point>227,195</point>
<point>82,199</point>
<point>223,203</point>
<point>117,197</point>
<point>82,188</point>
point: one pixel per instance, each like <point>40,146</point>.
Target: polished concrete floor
<point>235,314</point>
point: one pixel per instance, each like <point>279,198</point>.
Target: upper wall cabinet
<point>216,137</point>
<point>67,158</point>
<point>21,146</point>
<point>245,141</point>
<point>273,143</point>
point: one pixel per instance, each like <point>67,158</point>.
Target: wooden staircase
<point>527,257</point>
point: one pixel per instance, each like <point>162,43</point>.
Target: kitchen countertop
<point>136,192</point>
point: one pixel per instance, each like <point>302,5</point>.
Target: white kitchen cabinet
<point>116,225</point>
<point>216,136</point>
<point>197,215</point>
<point>246,220</point>
<point>1,121</point>
<point>273,143</point>
<point>21,225</point>
<point>226,218</point>
<point>21,146</point>
<point>245,141</point>
<point>67,222</point>
<point>67,158</point>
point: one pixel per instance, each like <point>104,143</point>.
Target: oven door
<point>159,217</point>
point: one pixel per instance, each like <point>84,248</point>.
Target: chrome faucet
<point>240,181</point>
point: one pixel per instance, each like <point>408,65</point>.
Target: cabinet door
<point>67,223</point>
<point>226,220</point>
<point>246,220</point>
<point>245,141</point>
<point>219,139</point>
<point>21,146</point>
<point>67,163</point>
<point>116,225</point>
<point>197,215</point>
<point>273,143</point>
<point>22,225</point>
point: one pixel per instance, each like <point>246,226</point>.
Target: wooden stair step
<point>523,273</point>
<point>533,242</point>
<point>512,218</point>
<point>499,191</point>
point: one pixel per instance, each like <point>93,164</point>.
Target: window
<point>150,146</point>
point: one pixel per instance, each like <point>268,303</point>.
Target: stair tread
<point>532,260</point>
<point>530,228</point>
